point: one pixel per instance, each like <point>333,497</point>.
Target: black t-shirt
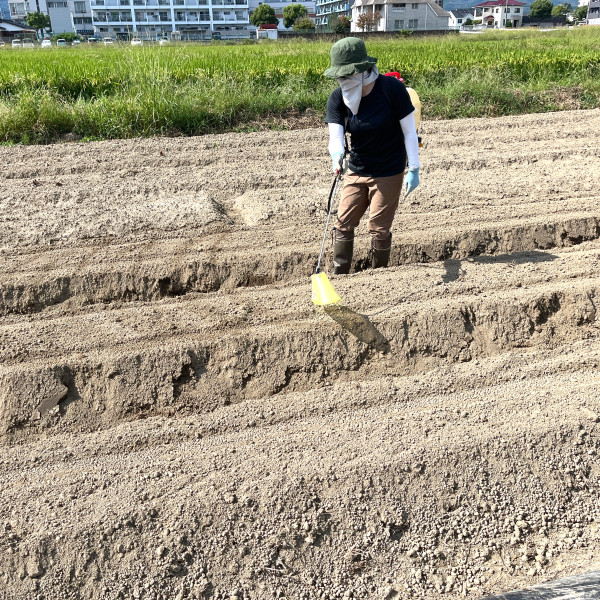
<point>376,139</point>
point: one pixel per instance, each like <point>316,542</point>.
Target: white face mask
<point>352,87</point>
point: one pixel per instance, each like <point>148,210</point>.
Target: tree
<point>304,24</point>
<point>561,10</point>
<point>39,21</point>
<point>540,9</point>
<point>340,24</point>
<point>292,12</point>
<point>368,20</point>
<point>263,15</point>
<point>68,37</point>
<point>580,13</point>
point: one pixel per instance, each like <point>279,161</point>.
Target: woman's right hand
<point>411,182</point>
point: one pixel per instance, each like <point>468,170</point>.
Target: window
<point>399,24</point>
<point>399,7</point>
<point>17,9</point>
<point>163,16</point>
<point>124,2</point>
<point>114,16</point>
<point>459,21</point>
<point>204,15</point>
<point>413,23</point>
<point>517,10</point>
<point>415,6</point>
<point>98,2</point>
<point>57,5</point>
<point>79,7</point>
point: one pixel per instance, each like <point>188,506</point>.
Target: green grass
<point>120,92</point>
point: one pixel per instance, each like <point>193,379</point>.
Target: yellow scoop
<point>322,290</point>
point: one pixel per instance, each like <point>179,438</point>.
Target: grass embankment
<point>124,92</point>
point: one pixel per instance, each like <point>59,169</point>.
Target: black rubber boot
<point>380,252</point>
<point>342,251</point>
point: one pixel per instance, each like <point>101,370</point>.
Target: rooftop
<point>500,3</point>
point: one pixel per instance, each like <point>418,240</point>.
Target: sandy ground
<point>178,421</point>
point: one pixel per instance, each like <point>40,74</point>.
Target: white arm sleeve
<point>411,141</point>
<point>336,139</point>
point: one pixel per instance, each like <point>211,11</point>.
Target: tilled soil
<point>177,420</point>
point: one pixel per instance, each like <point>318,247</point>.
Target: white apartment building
<point>189,19</point>
<point>421,15</point>
<point>66,15</point>
<point>328,10</point>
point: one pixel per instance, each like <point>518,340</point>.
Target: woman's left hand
<point>411,182</point>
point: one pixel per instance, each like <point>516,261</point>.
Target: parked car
<point>28,44</point>
<point>76,43</point>
<point>1,44</point>
<point>163,41</point>
<point>136,42</point>
<point>16,43</point>
<point>108,41</point>
<point>46,44</point>
<point>61,42</point>
<point>93,40</point>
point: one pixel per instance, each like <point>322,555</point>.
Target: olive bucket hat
<point>349,56</point>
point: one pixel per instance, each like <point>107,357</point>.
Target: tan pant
<point>381,194</point>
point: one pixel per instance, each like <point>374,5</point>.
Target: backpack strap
<point>387,92</point>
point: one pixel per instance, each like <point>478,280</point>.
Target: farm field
<point>178,421</point>
<point>123,92</point>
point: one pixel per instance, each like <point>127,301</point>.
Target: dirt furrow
<point>182,358</point>
<point>343,490</point>
<point>177,272</point>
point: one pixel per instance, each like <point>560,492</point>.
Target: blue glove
<point>411,182</point>
<point>337,162</point>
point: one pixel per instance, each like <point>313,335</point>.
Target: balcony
<point>243,3</point>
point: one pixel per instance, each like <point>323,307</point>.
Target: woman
<point>377,113</point>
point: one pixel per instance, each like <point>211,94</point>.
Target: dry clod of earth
<point>177,421</point>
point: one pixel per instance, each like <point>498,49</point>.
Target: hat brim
<point>345,70</point>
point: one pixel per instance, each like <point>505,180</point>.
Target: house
<point>458,16</point>
<point>593,16</point>
<point>266,31</point>
<point>422,15</point>
<point>500,13</point>
<point>10,30</point>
